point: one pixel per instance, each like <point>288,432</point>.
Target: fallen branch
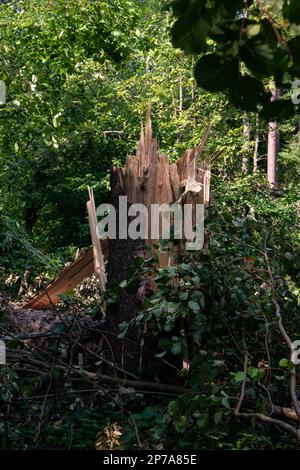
<point>286,337</point>
<point>286,412</point>
<point>137,384</point>
<point>261,416</point>
<point>292,414</point>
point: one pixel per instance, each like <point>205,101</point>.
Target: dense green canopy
<point>79,75</point>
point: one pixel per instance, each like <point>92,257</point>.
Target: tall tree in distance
<point>273,144</point>
<point>246,143</point>
<point>242,46</point>
<point>256,144</point>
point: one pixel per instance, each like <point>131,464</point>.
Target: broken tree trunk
<point>148,178</point>
<point>123,252</point>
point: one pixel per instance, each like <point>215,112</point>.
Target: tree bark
<point>273,145</point>
<point>246,146</point>
<point>256,144</point>
<point>180,107</point>
<point>193,84</point>
<point>122,254</point>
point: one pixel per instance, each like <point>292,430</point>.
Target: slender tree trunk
<point>273,145</point>
<point>174,104</point>
<point>193,85</point>
<point>246,146</point>
<point>180,107</point>
<point>256,144</point>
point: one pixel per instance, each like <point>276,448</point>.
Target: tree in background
<point>244,45</point>
<point>78,89</point>
<point>79,82</point>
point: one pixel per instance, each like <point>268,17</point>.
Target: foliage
<point>51,149</point>
<point>74,107</point>
<point>79,77</point>
<point>289,163</point>
<point>213,306</point>
<point>243,45</point>
<point>18,255</point>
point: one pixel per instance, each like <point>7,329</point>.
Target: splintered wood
<point>99,266</point>
<point>150,178</point>
<point>75,273</point>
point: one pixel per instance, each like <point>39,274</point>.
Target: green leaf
<point>194,306</point>
<point>184,7</point>
<point>174,407</point>
<point>280,110</point>
<point>196,281</point>
<point>172,307</point>
<point>253,30</point>
<point>275,6</point>
<point>185,267</point>
<point>247,93</point>
<point>176,348</point>
<point>294,46</point>
<point>203,421</point>
<point>182,424</point>
<point>214,73</point>
<point>190,35</point>
<point>218,417</point>
<point>258,56</point>
<point>183,295</point>
<point>232,6</point>
<point>255,373</point>
<point>160,355</point>
<point>55,119</point>
<point>239,376</point>
<point>165,343</point>
<point>225,402</point>
<point>291,11</point>
<point>139,317</point>
<point>284,363</point>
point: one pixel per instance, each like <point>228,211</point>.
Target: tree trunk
<point>246,146</point>
<point>122,254</point>
<point>273,145</point>
<point>193,84</point>
<point>256,144</point>
<point>180,107</point>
